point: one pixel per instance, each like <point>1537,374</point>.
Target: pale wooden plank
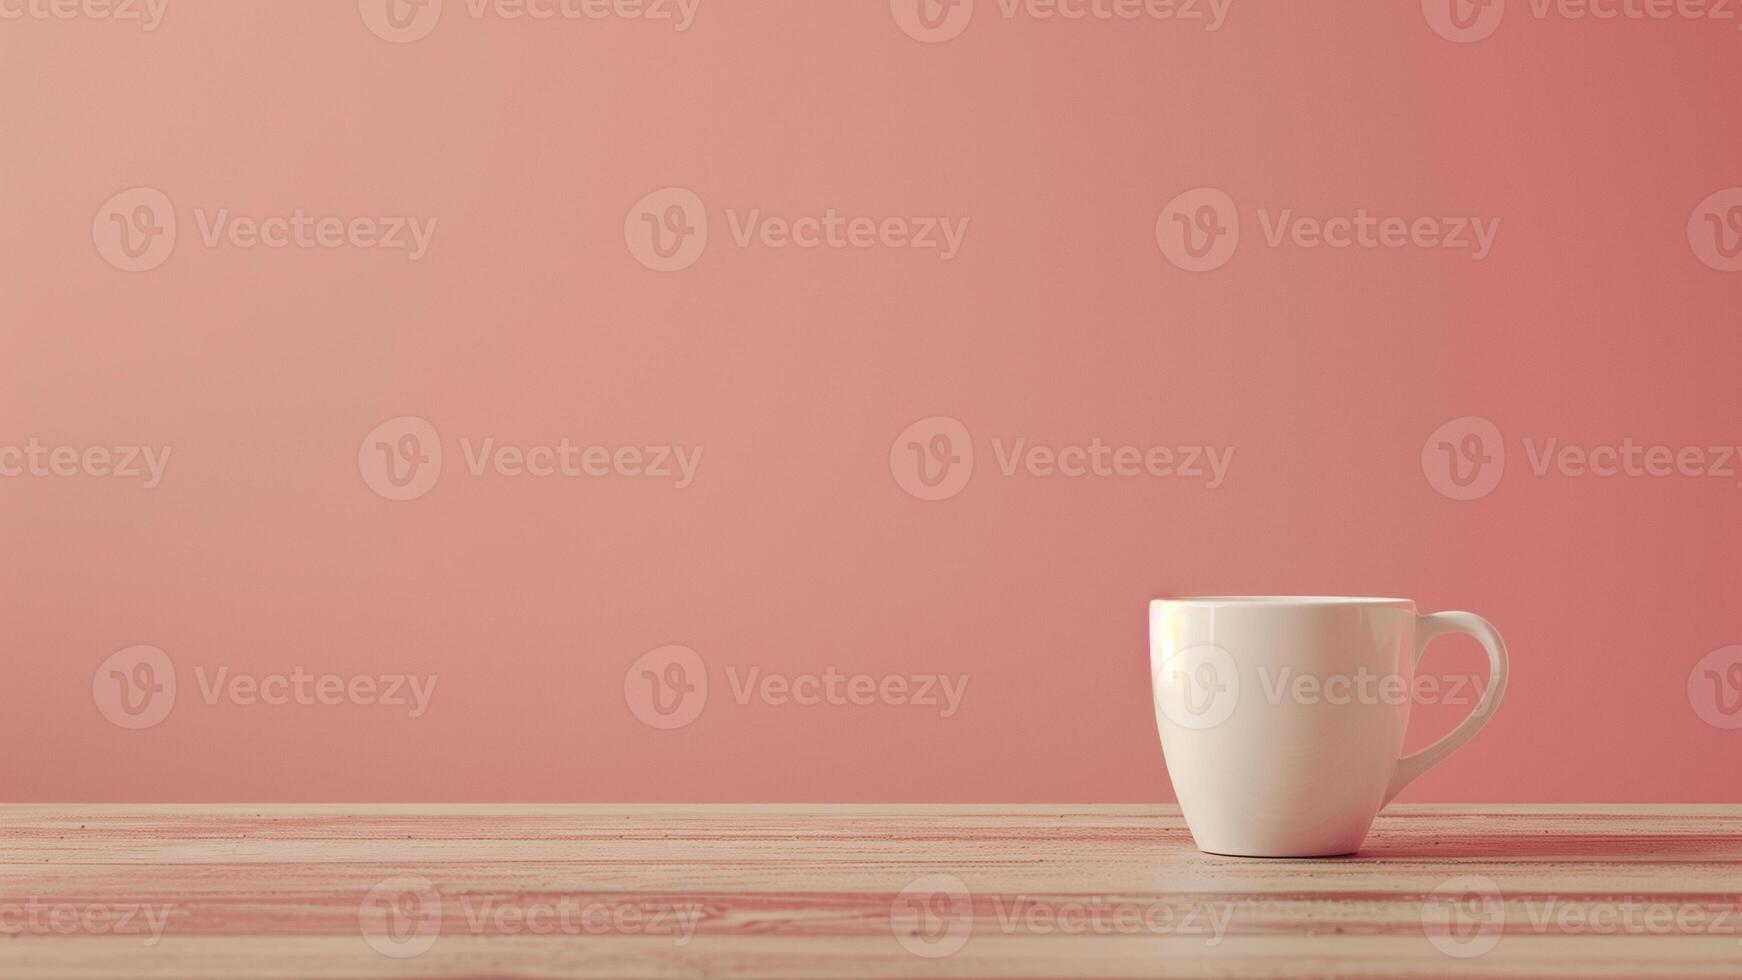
<point>795,890</point>
<point>775,958</point>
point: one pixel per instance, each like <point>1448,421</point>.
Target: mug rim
<point>1281,600</point>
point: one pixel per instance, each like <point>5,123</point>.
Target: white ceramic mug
<point>1282,717</point>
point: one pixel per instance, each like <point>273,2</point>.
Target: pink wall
<point>1603,309</point>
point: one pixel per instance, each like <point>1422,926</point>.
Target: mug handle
<point>1427,629</point>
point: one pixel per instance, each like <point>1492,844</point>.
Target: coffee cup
<point>1282,717</point>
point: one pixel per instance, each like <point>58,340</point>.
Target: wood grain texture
<point>813,891</point>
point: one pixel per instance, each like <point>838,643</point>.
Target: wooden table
<point>810,891</point>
